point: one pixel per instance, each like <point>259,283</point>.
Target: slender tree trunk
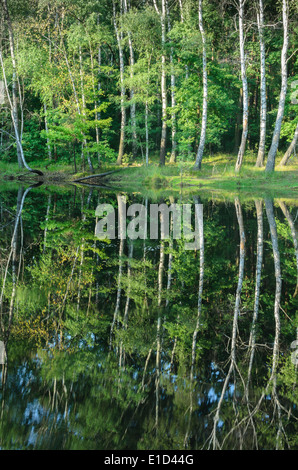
<point>284,84</point>
<point>84,106</point>
<point>238,122</point>
<point>245,88</point>
<point>235,323</point>
<point>291,148</point>
<point>159,322</point>
<point>96,104</point>
<point>98,115</point>
<point>259,263</point>
<point>20,204</point>
<point>170,262</point>
<point>173,97</point>
<point>14,85</point>
<point>132,105</point>
<point>47,132</point>
<point>147,113</point>
<point>263,113</point>
<point>147,133</point>
<point>46,224</point>
<point>76,96</point>
<point>126,309</point>
<point>13,102</point>
<point>200,151</point>
<point>174,125</point>
<point>15,124</point>
<point>242,254</point>
<point>163,142</point>
<point>123,111</point>
<point>278,282</point>
<point>122,225</point>
<point>200,217</point>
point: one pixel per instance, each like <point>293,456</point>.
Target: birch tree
<point>119,37</point>
<point>132,105</point>
<point>232,359</point>
<point>259,264</point>
<point>278,283</point>
<point>200,151</point>
<point>263,111</point>
<point>242,147</point>
<point>173,98</point>
<point>270,166</point>
<point>13,100</point>
<point>163,141</point>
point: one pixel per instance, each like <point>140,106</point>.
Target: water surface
<point>140,344</point>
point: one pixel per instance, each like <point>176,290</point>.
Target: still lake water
<point>141,344</point>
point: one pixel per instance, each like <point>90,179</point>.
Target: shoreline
<point>216,176</point>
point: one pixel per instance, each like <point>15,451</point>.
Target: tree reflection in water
<point>139,344</point>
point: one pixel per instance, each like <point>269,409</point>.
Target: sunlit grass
<point>217,174</point>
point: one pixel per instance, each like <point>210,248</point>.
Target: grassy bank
<point>217,174</point>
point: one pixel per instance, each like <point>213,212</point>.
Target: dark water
<point>141,344</point>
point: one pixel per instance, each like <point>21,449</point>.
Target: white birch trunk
<point>147,114</point>
<point>244,86</point>
<point>15,122</point>
<point>98,114</point>
<point>173,98</point>
<point>263,112</point>
<point>147,133</point>
<point>284,84</point>
<point>259,263</point>
<point>200,151</point>
<point>235,323</point>
<point>159,321</point>
<point>200,218</point>
<point>84,105</point>
<point>13,101</point>
<point>96,100</point>
<point>163,141</point>
<point>14,98</point>
<point>132,105</point>
<point>123,111</point>
<point>278,283</point>
<point>122,224</point>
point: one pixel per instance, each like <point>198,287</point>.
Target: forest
<point>131,82</point>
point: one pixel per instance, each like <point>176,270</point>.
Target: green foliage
<point>68,72</point>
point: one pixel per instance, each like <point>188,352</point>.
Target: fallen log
<point>95,176</point>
